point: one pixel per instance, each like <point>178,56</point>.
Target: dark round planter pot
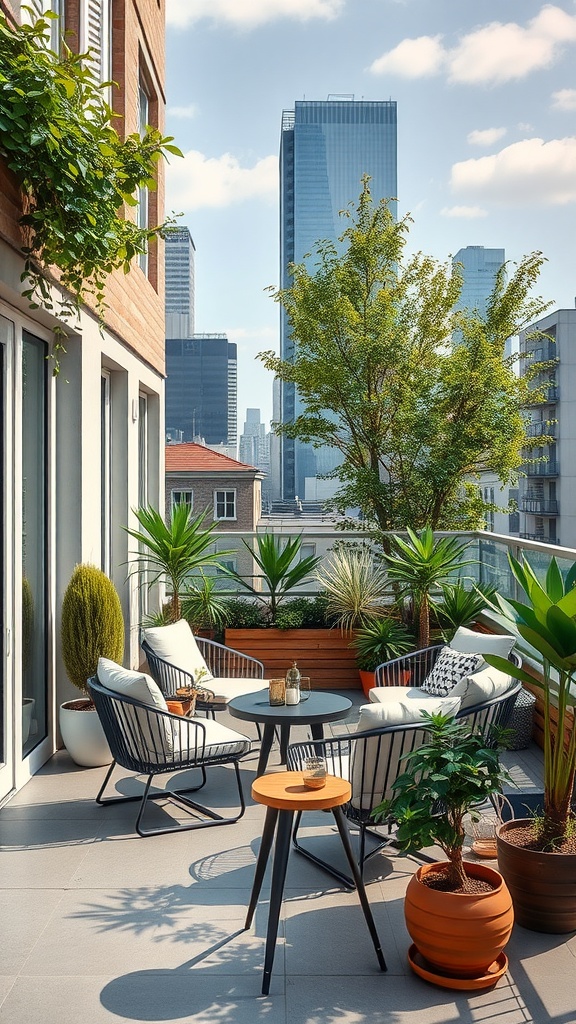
<point>542,885</point>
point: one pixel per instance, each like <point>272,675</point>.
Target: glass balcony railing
<point>540,506</point>
<point>549,468</point>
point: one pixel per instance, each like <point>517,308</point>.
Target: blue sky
<point>486,98</point>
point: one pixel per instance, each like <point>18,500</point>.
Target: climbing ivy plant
<point>75,173</point>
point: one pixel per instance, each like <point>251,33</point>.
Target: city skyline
<point>486,147</point>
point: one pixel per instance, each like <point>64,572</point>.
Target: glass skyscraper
<point>179,250</point>
<point>479,267</point>
<point>326,148</point>
<point>201,389</point>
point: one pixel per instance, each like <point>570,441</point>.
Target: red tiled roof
<point>193,456</point>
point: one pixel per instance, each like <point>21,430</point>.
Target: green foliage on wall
<point>75,172</point>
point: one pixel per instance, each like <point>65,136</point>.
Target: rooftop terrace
<point>98,925</point>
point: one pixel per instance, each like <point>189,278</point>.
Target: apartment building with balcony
<point>547,493</point>
<point>82,449</point>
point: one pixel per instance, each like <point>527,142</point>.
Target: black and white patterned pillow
<point>450,667</point>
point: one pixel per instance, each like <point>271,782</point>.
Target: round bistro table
<point>321,707</point>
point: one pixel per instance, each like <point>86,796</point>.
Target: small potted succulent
<point>459,915</point>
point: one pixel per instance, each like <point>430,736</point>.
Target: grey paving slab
<point>42,854</point>
<point>24,916</point>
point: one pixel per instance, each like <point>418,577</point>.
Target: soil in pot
<point>542,884</point>
<point>460,935</point>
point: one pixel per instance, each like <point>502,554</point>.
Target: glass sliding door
<point>6,694</point>
<point>34,666</point>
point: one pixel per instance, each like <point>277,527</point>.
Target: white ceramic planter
<point>83,736</point>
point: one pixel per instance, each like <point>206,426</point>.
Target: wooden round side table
<point>284,793</point>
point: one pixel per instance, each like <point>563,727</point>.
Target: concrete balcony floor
<point>98,925</point>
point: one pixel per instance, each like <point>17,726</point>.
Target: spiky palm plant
<point>281,569</point>
<point>420,564</point>
<point>175,550</point>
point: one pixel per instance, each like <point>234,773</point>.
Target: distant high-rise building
<point>254,448</point>
<point>180,251</point>
<point>201,388</point>
<point>479,267</point>
<point>325,149</point>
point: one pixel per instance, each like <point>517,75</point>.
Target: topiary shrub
<point>92,624</point>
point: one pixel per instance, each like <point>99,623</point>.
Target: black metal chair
<point>371,761</point>
<point>151,742</point>
<point>223,663</point>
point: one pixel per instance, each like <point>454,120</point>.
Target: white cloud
<point>564,99</point>
<point>199,181</point>
<point>527,172</point>
<point>466,212</point>
<point>248,13</point>
<point>183,112</point>
<point>412,58</point>
<point>485,136</point>
<point>492,54</point>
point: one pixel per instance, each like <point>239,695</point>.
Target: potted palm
<point>459,915</point>
<point>379,640</point>
<point>419,565</point>
<point>92,626</point>
<point>538,855</point>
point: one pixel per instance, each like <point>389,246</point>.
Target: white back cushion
<point>175,643</point>
<point>152,737</point>
<point>481,686</point>
<point>467,641</point>
<point>377,759</point>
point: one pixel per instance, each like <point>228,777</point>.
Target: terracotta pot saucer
<point>425,970</point>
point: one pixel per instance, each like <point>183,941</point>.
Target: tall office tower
<point>479,267</point>
<point>254,443</point>
<point>180,251</point>
<point>325,149</point>
<point>201,388</point>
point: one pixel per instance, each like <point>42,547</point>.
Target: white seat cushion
<point>226,688</point>
<point>449,668</point>
<point>467,641</point>
<point>207,739</point>
<point>400,694</point>
<point>481,686</point>
<point>152,736</point>
<point>176,644</point>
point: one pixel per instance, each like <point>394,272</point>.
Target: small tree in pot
<point>458,915</point>
<point>92,626</point>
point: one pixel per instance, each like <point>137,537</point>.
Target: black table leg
<point>277,891</point>
<point>284,741</point>
<point>265,749</point>
<point>357,875</point>
<point>263,854</point>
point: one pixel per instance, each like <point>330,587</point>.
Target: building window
<point>224,504</point>
<point>307,551</point>
<point>105,475</point>
<point>143,197</point>
<point>514,517</point>
<point>489,512</point>
<point>182,498</point>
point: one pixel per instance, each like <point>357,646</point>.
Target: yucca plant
<point>381,640</point>
<point>420,564</point>
<point>355,585</point>
<point>281,569</point>
<point>548,623</point>
<point>92,624</point>
<point>173,551</point>
<point>461,606</point>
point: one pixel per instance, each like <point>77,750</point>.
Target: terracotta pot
<point>542,885</point>
<point>368,680</point>
<point>459,934</point>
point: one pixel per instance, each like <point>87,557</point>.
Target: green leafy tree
<point>413,416</point>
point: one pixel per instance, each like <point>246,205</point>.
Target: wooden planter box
<point>322,654</point>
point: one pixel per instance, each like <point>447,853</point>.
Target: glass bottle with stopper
<point>292,695</point>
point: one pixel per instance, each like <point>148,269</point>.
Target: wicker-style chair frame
<point>139,739</point>
<point>371,760</point>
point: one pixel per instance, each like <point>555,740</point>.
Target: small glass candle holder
<point>277,690</point>
<point>315,772</point>
<point>304,687</point>
<point>484,836</point>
